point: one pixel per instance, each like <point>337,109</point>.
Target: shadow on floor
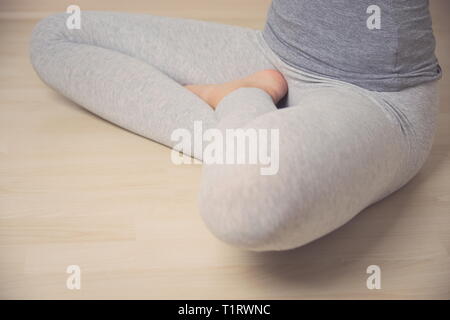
<point>349,248</point>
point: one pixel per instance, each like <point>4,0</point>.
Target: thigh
<point>338,153</point>
<point>345,151</point>
<point>188,51</point>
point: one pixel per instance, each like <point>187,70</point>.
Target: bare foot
<point>271,81</point>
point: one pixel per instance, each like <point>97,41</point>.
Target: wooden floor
<point>76,190</point>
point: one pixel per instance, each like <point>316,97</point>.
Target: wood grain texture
<point>75,189</point>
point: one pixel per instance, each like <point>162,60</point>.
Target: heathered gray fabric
<point>331,38</point>
<point>342,147</point>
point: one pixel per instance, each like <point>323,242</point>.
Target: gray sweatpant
<point>341,147</point>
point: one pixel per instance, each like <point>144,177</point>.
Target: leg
<point>339,153</point>
<point>130,69</point>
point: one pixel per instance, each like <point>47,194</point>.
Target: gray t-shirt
<point>380,45</point>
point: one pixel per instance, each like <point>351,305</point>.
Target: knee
<point>45,33</point>
<point>49,39</point>
<point>49,27</point>
<point>246,209</point>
